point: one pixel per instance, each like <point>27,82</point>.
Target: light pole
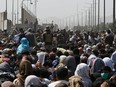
<point>89,19</point>
<point>77,13</point>
<point>113,14</point>
<point>98,12</point>
<point>6,9</point>
<point>36,7</point>
<point>5,14</point>
<point>22,12</point>
<point>82,18</point>
<point>104,14</point>
<point>91,16</point>
<point>73,20</point>
<point>12,11</point>
<point>66,22</point>
<point>78,20</point>
<point>17,11</point>
<point>69,22</point>
<point>86,18</point>
<point>95,13</point>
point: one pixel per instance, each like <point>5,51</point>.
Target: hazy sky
<point>57,8</point>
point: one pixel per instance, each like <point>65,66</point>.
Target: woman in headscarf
<point>90,60</point>
<point>98,64</point>
<point>71,64</point>
<point>83,71</point>
<point>108,62</point>
<point>25,69</point>
<point>61,85</point>
<point>32,81</point>
<point>62,61</point>
<point>23,46</point>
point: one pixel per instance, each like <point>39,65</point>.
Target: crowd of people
<point>58,59</point>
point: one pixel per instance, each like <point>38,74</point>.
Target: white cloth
<point>32,80</point>
<point>83,70</point>
<point>90,59</point>
<point>53,84</point>
<point>98,64</point>
<point>108,62</point>
<point>62,59</point>
<point>113,57</point>
<point>41,57</point>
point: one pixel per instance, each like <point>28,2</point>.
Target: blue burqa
<point>23,46</point>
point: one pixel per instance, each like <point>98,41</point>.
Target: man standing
<point>31,38</point>
<point>21,35</point>
<point>61,75</point>
<point>48,38</point>
<point>109,38</point>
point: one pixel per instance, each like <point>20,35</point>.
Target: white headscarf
<point>41,57</point>
<point>82,70</point>
<point>108,62</point>
<point>32,80</point>
<point>90,60</point>
<point>62,59</point>
<point>98,64</point>
<point>113,57</point>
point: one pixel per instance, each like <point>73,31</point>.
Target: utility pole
<point>17,11</point>
<point>95,13</point>
<point>22,13</point>
<point>98,13</point>
<point>12,11</point>
<point>82,18</point>
<point>78,20</point>
<point>91,17</point>
<point>5,16</point>
<point>6,9</point>
<point>66,22</point>
<point>104,13</point>
<point>77,13</point>
<point>35,7</point>
<point>113,14</point>
<point>86,18</point>
<point>69,22</point>
<point>74,20</point>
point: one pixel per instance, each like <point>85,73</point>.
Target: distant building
<point>5,24</point>
<point>27,17</point>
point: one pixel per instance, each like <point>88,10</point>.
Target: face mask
<point>104,75</point>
